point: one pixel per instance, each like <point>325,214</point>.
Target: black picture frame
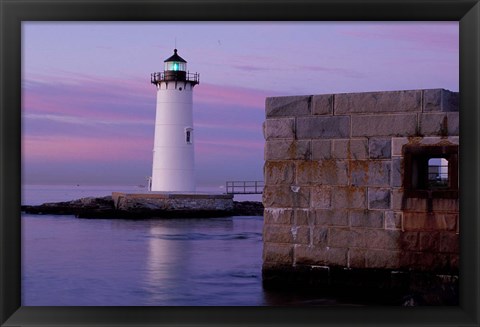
<point>13,12</point>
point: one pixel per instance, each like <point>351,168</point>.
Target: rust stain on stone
<point>328,167</point>
<point>360,166</point>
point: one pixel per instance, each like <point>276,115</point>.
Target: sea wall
<point>172,204</point>
<point>172,201</point>
<point>349,189</point>
<point>150,205</point>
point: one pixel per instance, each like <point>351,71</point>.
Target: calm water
<point>68,261</point>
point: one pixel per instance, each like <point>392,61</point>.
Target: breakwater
<point>143,206</point>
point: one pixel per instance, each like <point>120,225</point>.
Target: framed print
<point>356,161</point>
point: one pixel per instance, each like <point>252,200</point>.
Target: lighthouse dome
<point>175,69</point>
<point>175,63</point>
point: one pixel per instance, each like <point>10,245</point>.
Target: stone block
<point>449,243</point>
<point>278,253</point>
<point>439,124</point>
<point>419,261</point>
<point>283,196</point>
<point>380,148</point>
<point>322,104</point>
<point>453,139</point>
<point>324,172</point>
<point>378,198</point>
<point>409,241</point>
<point>356,258</point>
<point>445,205</point>
<point>451,222</point>
<point>428,241</point>
<point>323,127</point>
<point>334,217</point>
<point>321,197</point>
<point>366,218</point>
<point>384,125</point>
<point>370,173</point>
<point>300,234</point>
<point>304,217</point>
<point>287,150</point>
<point>349,197</point>
<point>283,128</point>
<point>278,234</point>
<point>382,259</point>
<point>383,239</point>
<point>432,100</point>
<point>279,172</point>
<point>350,149</point>
<point>309,255</point>
<point>397,145</point>
<point>397,198</point>
<point>399,142</point>
<point>415,204</point>
<point>346,238</point>
<point>278,216</point>
<point>337,256</point>
<point>397,172</point>
<point>439,242</point>
<point>440,100</point>
<point>393,219</point>
<point>321,149</point>
<point>374,102</point>
<point>320,236</point>
<point>423,221</point>
<point>287,106</point>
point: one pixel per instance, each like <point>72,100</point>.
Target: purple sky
<point>89,108</point>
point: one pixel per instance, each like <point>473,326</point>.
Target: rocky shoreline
<point>103,207</point>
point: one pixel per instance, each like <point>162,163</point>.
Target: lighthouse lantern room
<point>173,149</point>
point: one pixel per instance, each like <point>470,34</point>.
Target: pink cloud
<point>48,148</point>
<point>100,98</point>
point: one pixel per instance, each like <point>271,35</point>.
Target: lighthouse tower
<point>173,149</point>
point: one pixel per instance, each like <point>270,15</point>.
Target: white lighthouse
<point>173,149</point>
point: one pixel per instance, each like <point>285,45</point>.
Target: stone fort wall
<point>344,186</point>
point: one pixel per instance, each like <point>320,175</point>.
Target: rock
<point>103,207</point>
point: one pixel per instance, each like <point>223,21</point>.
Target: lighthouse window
<point>175,66</point>
<point>188,135</point>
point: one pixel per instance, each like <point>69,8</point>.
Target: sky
<point>88,107</point>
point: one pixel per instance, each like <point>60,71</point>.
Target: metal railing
<point>155,78</point>
<point>244,187</point>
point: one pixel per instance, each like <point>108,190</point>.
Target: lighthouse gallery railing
<point>161,76</point>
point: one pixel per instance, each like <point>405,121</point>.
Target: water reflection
<point>204,262</point>
<point>172,262</point>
